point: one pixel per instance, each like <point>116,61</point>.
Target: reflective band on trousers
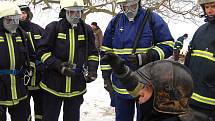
<point>203,99</point>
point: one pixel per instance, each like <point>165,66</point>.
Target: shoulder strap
<point>137,38</point>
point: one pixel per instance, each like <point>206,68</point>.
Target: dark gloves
<point>142,59</point>
<point>91,76</point>
<point>108,85</point>
<point>67,69</point>
<point>116,63</point>
<point>139,59</point>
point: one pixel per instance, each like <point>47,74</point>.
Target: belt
<point>7,72</point>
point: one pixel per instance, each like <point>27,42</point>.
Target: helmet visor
<point>73,16</point>
<point>129,6</point>
<point>11,23</point>
<point>13,19</point>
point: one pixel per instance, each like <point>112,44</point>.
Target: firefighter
<point>201,61</point>
<point>70,59</point>
<point>138,44</point>
<point>178,46</point>
<point>164,85</point>
<point>35,34</point>
<point>15,71</point>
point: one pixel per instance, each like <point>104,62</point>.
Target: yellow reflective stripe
<point>45,56</point>
<point>29,117</point>
<point>12,102</point>
<point>39,117</point>
<point>169,43</point>
<point>31,40</point>
<point>61,36</point>
<point>81,37</point>
<point>37,36</point>
<point>128,51</point>
<point>33,79</point>
<point>60,94</point>
<point>135,92</point>
<point>1,39</point>
<point>120,91</point>
<point>203,99</point>
<point>18,39</point>
<point>124,51</point>
<point>105,67</point>
<point>12,65</point>
<point>71,57</point>
<point>33,87</point>
<point>203,54</point>
<point>160,52</point>
<point>93,57</point>
<point>106,49</point>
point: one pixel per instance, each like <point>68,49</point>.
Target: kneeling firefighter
<point>165,85</point>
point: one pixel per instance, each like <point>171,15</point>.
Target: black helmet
<point>27,10</point>
<point>172,84</point>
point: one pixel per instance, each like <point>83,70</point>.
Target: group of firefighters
<point>53,65</point>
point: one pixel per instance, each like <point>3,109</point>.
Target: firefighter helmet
<point>124,1</point>
<point>26,8</point>
<point>172,84</point>
<point>72,4</point>
<point>201,2</point>
<point>9,9</point>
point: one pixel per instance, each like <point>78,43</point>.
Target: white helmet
<point>123,1</point>
<point>72,4</point>
<point>9,8</point>
<point>201,2</point>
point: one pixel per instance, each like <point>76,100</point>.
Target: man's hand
<point>116,63</point>
<point>108,85</point>
<point>91,76</point>
<point>138,59</point>
<point>67,69</point>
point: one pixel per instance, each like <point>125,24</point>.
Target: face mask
<point>11,23</point>
<point>130,9</point>
<point>73,17</point>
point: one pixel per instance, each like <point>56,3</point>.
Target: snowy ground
<point>96,106</point>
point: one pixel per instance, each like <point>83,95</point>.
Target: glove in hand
<point>116,63</point>
<point>91,76</point>
<point>67,69</point>
<point>133,59</point>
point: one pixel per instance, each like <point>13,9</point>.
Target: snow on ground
<point>96,106</point>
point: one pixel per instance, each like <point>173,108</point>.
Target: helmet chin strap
<point>210,19</point>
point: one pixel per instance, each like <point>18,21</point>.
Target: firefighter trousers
<point>52,107</point>
<point>37,96</point>
<point>124,108</point>
<point>17,112</point>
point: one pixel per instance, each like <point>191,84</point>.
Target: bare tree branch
<point>179,10</point>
